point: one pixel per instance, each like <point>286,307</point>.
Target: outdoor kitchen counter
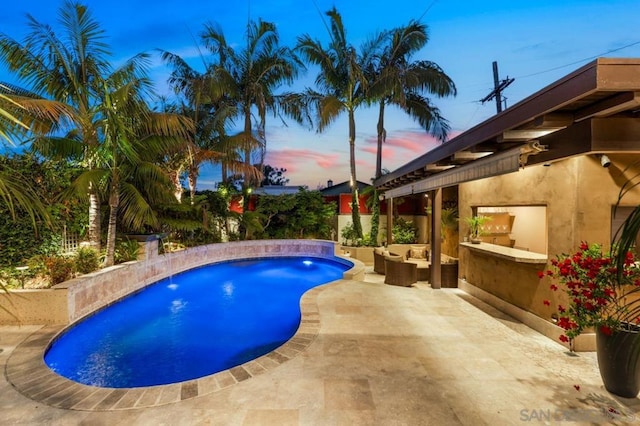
<point>515,255</point>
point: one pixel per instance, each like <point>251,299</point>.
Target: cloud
<point>294,160</point>
<point>401,147</point>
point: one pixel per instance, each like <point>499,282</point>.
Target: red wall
<point>345,204</point>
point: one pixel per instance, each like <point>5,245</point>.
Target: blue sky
<point>535,42</point>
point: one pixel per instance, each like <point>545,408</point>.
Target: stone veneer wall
<point>91,292</point>
<point>578,194</point>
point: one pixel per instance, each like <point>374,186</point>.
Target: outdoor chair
<point>398,272</point>
<point>379,255</point>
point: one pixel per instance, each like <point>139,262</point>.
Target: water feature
<point>197,323</point>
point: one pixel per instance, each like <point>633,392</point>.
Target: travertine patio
<point>382,355</point>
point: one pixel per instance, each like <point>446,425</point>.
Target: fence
<point>70,241</point>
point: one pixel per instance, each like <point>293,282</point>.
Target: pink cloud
<point>295,159</point>
<point>401,147</point>
<point>370,149</point>
<point>418,142</point>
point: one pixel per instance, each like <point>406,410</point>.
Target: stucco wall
<point>578,194</point>
<point>46,306</point>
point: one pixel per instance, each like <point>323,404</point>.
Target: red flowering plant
<point>603,290</point>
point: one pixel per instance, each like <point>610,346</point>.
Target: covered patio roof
<point>593,110</point>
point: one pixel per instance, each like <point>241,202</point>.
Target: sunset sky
<point>535,42</point>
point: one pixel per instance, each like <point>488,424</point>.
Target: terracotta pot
<point>619,360</point>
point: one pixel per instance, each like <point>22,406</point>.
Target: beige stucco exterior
<point>38,306</point>
<point>579,195</point>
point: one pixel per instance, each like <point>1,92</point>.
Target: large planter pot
<point>619,360</point>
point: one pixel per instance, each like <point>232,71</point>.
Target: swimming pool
<point>192,325</point>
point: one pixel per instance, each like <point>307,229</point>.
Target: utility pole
<point>498,87</point>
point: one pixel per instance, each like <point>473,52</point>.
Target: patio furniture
<point>448,268</point>
<point>400,273</point>
<point>379,254</point>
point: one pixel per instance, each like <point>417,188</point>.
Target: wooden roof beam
<point>609,106</point>
<point>524,135</point>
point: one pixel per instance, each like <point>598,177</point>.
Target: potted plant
<point>603,294</point>
<point>475,227</point>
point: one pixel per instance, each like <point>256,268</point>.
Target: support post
<point>436,238</point>
<point>389,221</point>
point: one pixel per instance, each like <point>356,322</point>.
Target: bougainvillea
<point>598,295</point>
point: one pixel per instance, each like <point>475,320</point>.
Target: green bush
<point>18,238</point>
<point>300,215</point>
<point>87,260</point>
<point>404,232</point>
<point>59,269</point>
<point>126,251</point>
<point>349,234</point>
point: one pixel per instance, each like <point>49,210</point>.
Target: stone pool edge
<point>27,372</point>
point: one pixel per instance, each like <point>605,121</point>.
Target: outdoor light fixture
<point>605,161</point>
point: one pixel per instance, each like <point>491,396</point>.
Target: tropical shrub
<point>300,215</point>
<point>126,250</point>
<point>87,260</point>
<point>18,238</point>
<point>404,232</point>
<point>59,268</point>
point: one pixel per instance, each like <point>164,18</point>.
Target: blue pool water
<point>197,323</point>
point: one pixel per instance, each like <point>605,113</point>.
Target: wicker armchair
<point>400,273</point>
<point>378,259</point>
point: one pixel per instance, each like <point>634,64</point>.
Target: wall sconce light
<point>605,161</point>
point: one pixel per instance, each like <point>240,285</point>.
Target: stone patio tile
<point>379,355</point>
<point>271,417</point>
<point>169,394</point>
<point>129,399</point>
<point>343,394</point>
<point>150,397</point>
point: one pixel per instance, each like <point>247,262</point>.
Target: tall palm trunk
<point>193,179</point>
<point>94,218</point>
<point>381,138</point>
<point>114,203</point>
<point>355,207</point>
<point>174,175</point>
<point>247,157</point>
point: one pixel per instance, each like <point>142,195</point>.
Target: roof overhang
<point>595,109</point>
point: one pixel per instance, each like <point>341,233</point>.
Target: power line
<point>581,60</point>
<point>427,10</point>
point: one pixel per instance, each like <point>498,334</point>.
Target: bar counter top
<point>515,255</point>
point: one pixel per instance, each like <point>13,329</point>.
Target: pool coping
<point>29,375</point>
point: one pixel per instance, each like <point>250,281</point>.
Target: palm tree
<point>403,83</point>
<point>133,138</point>
<point>69,69</point>
<point>343,87</point>
<point>17,107</point>
<point>212,115</point>
<point>249,78</point>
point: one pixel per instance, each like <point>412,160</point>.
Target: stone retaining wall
<point>91,292</point>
